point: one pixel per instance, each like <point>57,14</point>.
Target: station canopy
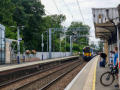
<point>104,27</point>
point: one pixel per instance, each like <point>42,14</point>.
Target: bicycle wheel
<point>107,79</point>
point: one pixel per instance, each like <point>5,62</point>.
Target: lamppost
<point>50,44</point>
<point>60,42</point>
<point>42,45</point>
<point>65,43</point>
<point>70,45</point>
<point>18,42</point>
<point>47,40</point>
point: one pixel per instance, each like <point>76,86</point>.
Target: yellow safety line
<point>94,78</point>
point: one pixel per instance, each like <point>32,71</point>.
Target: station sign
<point>20,39</point>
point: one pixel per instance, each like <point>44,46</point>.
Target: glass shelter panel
<point>2,45</point>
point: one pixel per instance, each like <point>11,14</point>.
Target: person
<point>115,64</point>
<point>111,57</point>
<point>103,60</point>
<point>115,57</point>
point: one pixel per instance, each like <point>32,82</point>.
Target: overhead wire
<point>68,8</point>
<point>80,11</point>
<point>48,12</point>
<point>59,11</point>
<point>52,14</point>
<point>56,6</point>
<point>54,2</point>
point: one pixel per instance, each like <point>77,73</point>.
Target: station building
<point>107,28</point>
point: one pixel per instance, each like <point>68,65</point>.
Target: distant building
<point>2,44</point>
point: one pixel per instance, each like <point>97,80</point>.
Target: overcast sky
<point>70,8</point>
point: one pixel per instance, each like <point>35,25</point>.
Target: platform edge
<point>94,79</point>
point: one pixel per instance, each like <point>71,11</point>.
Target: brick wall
<point>7,53</point>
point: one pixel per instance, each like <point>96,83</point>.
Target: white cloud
<point>86,6</point>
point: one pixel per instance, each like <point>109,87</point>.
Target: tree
<point>6,12</point>
<point>54,21</point>
<point>79,42</point>
<point>31,15</point>
<point>28,13</point>
<point>6,17</point>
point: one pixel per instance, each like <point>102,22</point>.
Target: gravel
<point>63,82</point>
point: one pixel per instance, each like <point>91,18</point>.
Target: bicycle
<point>108,77</point>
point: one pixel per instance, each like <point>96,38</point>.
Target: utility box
<point>2,44</point>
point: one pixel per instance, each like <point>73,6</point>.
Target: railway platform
<point>27,65</point>
<point>89,78</point>
<point>98,85</point>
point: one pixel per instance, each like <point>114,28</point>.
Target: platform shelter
<point>107,28</point>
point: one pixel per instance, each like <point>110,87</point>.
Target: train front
<point>87,53</point>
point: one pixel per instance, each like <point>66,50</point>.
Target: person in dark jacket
<point>103,60</point>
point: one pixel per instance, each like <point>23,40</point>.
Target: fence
<point>39,56</point>
<point>54,54</point>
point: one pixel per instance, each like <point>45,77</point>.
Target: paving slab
<point>98,84</point>
<point>84,79</point>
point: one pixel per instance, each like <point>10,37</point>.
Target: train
<point>88,53</point>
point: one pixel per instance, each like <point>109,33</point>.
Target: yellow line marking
<point>94,78</point>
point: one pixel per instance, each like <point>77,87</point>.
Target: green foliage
<point>79,42</point>
<point>6,12</point>
<point>76,47</point>
<point>54,21</point>
<point>11,33</point>
<point>31,15</point>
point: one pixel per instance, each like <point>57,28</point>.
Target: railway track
<point>58,78</point>
<point>23,82</point>
<point>9,76</point>
<point>48,80</point>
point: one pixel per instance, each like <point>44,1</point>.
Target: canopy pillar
<point>106,50</point>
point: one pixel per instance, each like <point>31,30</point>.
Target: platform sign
<point>20,39</point>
